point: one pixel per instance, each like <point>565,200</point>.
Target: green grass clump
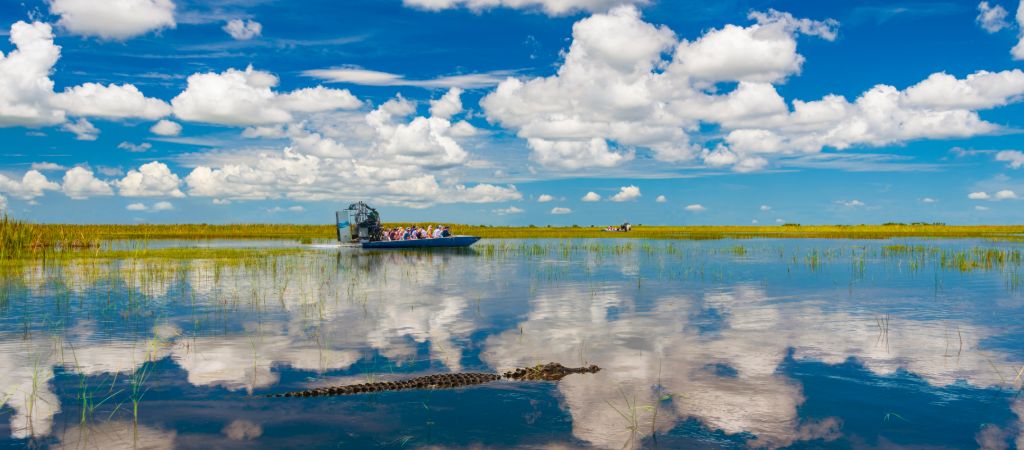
<point>20,239</point>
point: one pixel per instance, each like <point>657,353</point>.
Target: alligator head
<point>549,372</point>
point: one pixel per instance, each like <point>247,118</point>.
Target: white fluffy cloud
<point>112,102</point>
<point>991,18</point>
<point>549,7</point>
<point>696,207</point>
<point>763,52</point>
<point>153,179</point>
<point>850,203</point>
<point>25,84</point>
<point>1004,194</point>
<point>163,206</point>
<point>591,197</point>
<point>80,184</point>
<point>82,129</point>
<point>245,97</point>
<point>507,211</point>
<point>135,148</point>
<point>980,90</point>
<point>1018,50</point>
<point>33,184</point>
<point>661,199</point>
<point>386,154</point>
<point>243,30</point>
<point>616,92</point>
<point>166,128</point>
<point>1013,158</point>
<point>558,210</point>
<point>626,193</point>
<point>544,198</point>
<point>448,105</point>
<point>27,97</point>
<point>113,19</point>
<point>136,207</point>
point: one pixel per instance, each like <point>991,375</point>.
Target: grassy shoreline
<point>83,234</point>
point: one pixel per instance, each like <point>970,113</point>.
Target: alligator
<point>541,372</point>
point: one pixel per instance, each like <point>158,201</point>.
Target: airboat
<point>359,223</point>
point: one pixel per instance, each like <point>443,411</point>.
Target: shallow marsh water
<point>704,344</point>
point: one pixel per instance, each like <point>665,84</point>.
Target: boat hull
<point>448,242</point>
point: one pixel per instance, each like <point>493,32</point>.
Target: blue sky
<point>512,111</point>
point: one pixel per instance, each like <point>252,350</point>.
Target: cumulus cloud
<point>696,207</point>
<point>591,197</point>
<point>549,7</point>
<point>243,30</point>
<point>153,179</point>
<point>33,184</point>
<point>763,52</point>
<point>135,148</point>
<point>992,18</point>
<point>1018,50</point>
<point>507,211</point>
<point>928,200</point>
<point>1013,158</point>
<point>387,154</point>
<point>166,128</point>
<point>850,203</point>
<point>616,92</point>
<point>25,84</point>
<point>558,210</point>
<point>163,206</point>
<point>626,193</point>
<point>1005,194</point>
<point>765,208</point>
<point>44,166</point>
<point>82,129</point>
<point>136,207</point>
<point>26,90</point>
<point>114,19</point>
<point>80,183</point>
<point>544,198</point>
<point>448,105</point>
<point>661,199</point>
<point>111,102</point>
<point>246,97</point>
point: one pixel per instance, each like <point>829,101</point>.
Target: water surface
<point>703,344</point>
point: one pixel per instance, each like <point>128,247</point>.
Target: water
<point>703,344</point>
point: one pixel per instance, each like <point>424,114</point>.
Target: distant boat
<point>449,242</point>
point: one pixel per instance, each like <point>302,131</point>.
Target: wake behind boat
<point>364,227</point>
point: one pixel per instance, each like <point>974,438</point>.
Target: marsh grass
<point>19,238</point>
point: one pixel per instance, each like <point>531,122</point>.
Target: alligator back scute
<point>540,372</point>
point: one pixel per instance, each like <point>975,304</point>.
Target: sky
<point>512,112</point>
